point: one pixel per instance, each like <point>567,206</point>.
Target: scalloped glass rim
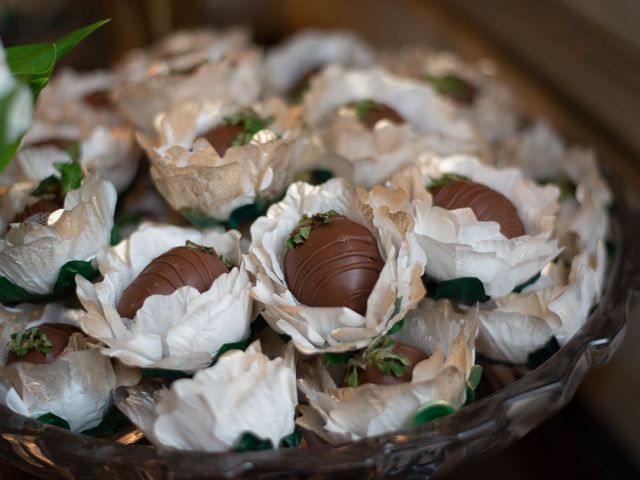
<point>416,452</point>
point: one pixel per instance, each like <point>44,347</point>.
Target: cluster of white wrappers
<point>166,98</point>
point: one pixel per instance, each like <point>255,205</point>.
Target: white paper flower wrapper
<point>242,392</point>
<point>458,245</point>
<point>63,101</point>
<point>337,329</point>
<point>182,51</point>
<point>302,53</point>
<point>31,255</point>
<point>346,414</point>
<point>494,111</point>
<point>105,152</point>
<point>586,214</point>
<point>180,331</point>
<point>235,80</point>
<point>558,304</point>
<point>368,156</point>
<point>77,386</point>
<point>189,172</point>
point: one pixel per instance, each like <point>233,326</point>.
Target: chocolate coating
<point>487,204</point>
<point>378,112</point>
<point>37,212</point>
<point>302,85</point>
<point>222,136</point>
<point>180,266</point>
<point>337,266</point>
<point>371,374</point>
<point>99,99</point>
<point>58,335</point>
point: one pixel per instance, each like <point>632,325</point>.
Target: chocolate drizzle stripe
<point>304,271</point>
<point>354,295</point>
<point>202,268</point>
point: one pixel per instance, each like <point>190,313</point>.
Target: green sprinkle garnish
<point>362,107</point>
<point>71,176</point>
<point>251,124</point>
<point>306,225</point>
<point>380,354</point>
<point>446,179</point>
<point>31,339</point>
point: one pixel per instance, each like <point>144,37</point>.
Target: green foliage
<point>446,179</point>
<point>362,107</point>
<point>306,225</point>
<point>396,328</point>
<point>12,293</point>
<point>23,342</point>
<point>249,442</point>
<point>453,87</point>
<point>53,419</point>
<point>544,353</point>
<point>379,354</point>
<point>33,65</point>
<point>112,422</point>
<point>251,124</point>
<point>431,411</point>
<point>466,290</point>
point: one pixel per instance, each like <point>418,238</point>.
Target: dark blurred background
<point>574,62</point>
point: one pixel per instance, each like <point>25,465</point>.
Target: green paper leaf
<point>475,375</point>
<point>466,290</point>
<point>247,213</point>
<point>112,422</point>
<point>48,186</point>
<point>9,146</point>
<point>114,236</point>
<point>337,358</point>
<point>163,373</point>
<point>12,293</point>
<point>292,440</point>
<point>470,396</point>
<point>453,87</point>
<point>446,179</point>
<point>250,443</point>
<point>544,353</point>
<point>198,218</point>
<point>317,176</point>
<point>523,285</point>
<point>396,328</point>
<point>431,411</point>
<point>71,176</point>
<point>53,419</point>
<point>241,345</point>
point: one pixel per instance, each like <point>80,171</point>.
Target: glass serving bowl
<point>485,426</point>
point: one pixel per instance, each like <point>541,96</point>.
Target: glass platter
<point>491,423</point>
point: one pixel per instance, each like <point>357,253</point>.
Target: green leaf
<point>466,290</point>
<point>475,375</point>
<point>247,213</point>
<point>48,186</point>
<point>544,353</point>
<point>523,285</point>
<point>12,293</point>
<point>453,87</point>
<point>112,422</point>
<point>362,107</point>
<point>53,419</point>
<point>336,358</point>
<point>163,373</point>
<point>67,276</point>
<point>71,176</point>
<point>396,328</point>
<point>431,411</point>
<point>34,64</point>
<point>241,345</point>
<point>292,440</point>
<point>249,442</point>
<point>114,236</point>
<point>446,179</point>
<point>199,219</point>
<point>23,342</point>
<point>470,396</point>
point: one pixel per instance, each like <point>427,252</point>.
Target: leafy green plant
<point>32,65</point>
